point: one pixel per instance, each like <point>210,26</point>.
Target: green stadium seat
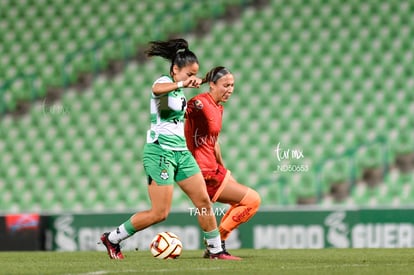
<point>321,82</point>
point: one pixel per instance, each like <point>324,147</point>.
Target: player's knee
<point>257,200</point>
<point>202,202</point>
<point>160,215</point>
<point>250,204</point>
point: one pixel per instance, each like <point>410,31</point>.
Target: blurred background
<point>322,112</point>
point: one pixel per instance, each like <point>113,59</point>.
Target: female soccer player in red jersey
<point>202,128</point>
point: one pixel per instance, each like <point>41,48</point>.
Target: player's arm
<point>217,152</point>
<point>166,87</point>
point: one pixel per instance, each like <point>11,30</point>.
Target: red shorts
<point>216,181</point>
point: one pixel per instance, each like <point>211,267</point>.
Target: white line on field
<point>175,270</point>
<point>102,272</point>
<point>322,266</point>
<point>336,265</point>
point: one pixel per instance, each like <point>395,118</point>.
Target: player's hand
<point>192,82</point>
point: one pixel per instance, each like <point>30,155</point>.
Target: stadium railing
<point>346,169</point>
<point>80,61</point>
<point>18,82</point>
<point>349,158</point>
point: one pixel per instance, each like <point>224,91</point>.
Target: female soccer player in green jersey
<point>166,157</point>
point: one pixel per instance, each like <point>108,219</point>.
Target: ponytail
<point>174,50</point>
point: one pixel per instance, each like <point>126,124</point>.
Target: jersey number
<point>183,103</point>
<point>163,162</point>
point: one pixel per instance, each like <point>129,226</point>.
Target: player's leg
<point>158,166</point>
<point>195,188</point>
<point>244,203</point>
<point>161,197</point>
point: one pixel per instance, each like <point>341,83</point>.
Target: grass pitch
<point>324,261</point>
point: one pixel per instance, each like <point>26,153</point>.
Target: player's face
<point>224,87</point>
<point>181,74</point>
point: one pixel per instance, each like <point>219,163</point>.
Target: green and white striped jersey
<point>167,118</point>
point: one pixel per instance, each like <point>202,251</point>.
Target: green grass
<point>324,261</point>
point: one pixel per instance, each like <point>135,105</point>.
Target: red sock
<point>239,213</point>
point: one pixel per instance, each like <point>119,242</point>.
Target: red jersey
<point>202,128</point>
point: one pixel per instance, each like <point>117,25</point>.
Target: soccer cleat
<point>223,256</point>
<point>208,255</point>
<point>114,250</point>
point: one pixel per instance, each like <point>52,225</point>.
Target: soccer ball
<point>166,245</point>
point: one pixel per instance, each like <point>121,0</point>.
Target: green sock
<point>213,241</point>
<point>123,232</point>
<point>129,227</point>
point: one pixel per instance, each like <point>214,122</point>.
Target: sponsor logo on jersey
<point>198,104</point>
